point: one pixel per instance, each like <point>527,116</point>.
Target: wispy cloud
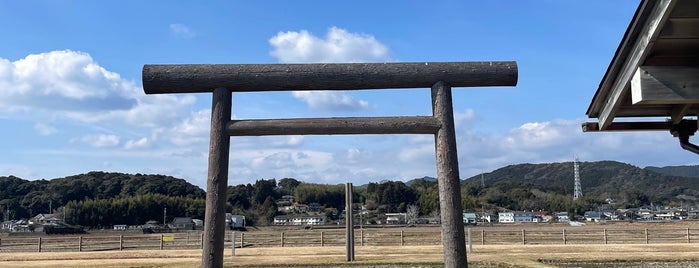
<point>45,129</point>
<point>330,100</point>
<point>101,140</point>
<point>182,31</point>
<point>137,144</point>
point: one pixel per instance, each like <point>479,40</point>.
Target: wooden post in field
<point>448,179</point>
<point>482,236</point>
<point>80,243</point>
<point>282,239</point>
<point>689,240</point>
<point>349,225</point>
<point>121,242</point>
<point>38,245</point>
<point>361,237</point>
<point>470,241</point>
<point>201,240</point>
<point>564,236</point>
<point>162,238</point>
<point>402,242</point>
<point>605,236</point>
<point>217,180</point>
<point>524,238</point>
<point>223,79</point>
<point>242,240</point>
<point>232,243</point>
<point>646,235</point>
<point>321,238</point>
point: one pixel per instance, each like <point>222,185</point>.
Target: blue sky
<point>71,99</point>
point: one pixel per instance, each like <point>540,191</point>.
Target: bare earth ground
<point>656,255</point>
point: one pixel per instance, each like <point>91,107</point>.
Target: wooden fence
<point>363,237</point>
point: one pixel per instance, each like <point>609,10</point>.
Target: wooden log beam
<point>665,85</point>
<point>194,78</point>
<point>329,126</point>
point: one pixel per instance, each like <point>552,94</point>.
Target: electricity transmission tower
<point>577,191</point>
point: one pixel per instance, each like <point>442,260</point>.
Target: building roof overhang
<point>653,80</point>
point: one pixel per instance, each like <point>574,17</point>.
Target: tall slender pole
<point>217,181</point>
<point>349,242</point>
<point>453,237</point>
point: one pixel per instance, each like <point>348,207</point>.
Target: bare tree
<point>435,216</point>
<point>412,213</point>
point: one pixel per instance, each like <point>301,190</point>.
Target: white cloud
<point>330,100</point>
<point>137,144</point>
<point>45,129</point>
<point>339,45</point>
<point>182,31</point>
<point>72,85</point>
<point>101,140</point>
<point>63,80</point>
<point>193,129</point>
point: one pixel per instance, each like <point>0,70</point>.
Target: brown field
<point>629,243</point>
<point>411,256</point>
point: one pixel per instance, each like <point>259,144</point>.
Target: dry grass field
<point>382,248</point>
<point>383,256</point>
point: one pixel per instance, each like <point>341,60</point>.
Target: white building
<point>300,219</point>
<point>506,217</point>
<point>516,217</point>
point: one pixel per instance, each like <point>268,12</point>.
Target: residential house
<point>235,222</point>
<point>625,214</point>
<point>198,224</point>
<point>300,208</point>
<point>182,223</point>
<point>523,216</point>
<point>693,214</point>
<point>543,216</point>
<point>506,217</point>
<point>300,219</point>
<point>489,217</point>
<point>396,218</point>
<point>45,219</point>
<point>562,216</point>
<point>664,215</point>
<point>594,216</point>
<point>470,218</point>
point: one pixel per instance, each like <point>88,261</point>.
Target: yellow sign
<point>168,238</point>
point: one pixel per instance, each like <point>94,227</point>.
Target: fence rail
<point>363,237</point>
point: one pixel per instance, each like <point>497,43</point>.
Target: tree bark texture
<point>453,238</point>
<point>217,181</point>
<point>193,78</point>
<point>328,126</point>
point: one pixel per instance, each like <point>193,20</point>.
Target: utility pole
<point>164,216</point>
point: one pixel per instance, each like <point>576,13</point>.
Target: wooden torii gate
<point>223,79</point>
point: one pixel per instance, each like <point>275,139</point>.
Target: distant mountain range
<point>603,178</point>
<point>598,179</point>
<point>684,171</point>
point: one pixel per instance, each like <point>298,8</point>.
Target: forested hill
<point>601,179</point>
<point>27,198</point>
<point>685,171</point>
